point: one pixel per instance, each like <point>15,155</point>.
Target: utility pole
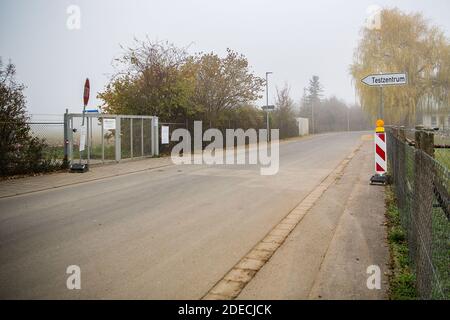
<point>267,103</point>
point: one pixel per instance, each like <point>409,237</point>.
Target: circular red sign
<point>86,92</point>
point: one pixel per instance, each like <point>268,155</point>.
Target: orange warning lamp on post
<point>380,126</point>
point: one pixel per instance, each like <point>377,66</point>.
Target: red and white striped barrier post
<point>380,154</point>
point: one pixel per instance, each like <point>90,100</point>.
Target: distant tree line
<point>158,78</point>
<point>330,114</point>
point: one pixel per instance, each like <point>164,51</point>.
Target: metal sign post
<point>84,134</point>
<point>381,80</point>
<point>268,109</point>
<point>267,105</point>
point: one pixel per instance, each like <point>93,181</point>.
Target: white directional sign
<point>387,79</point>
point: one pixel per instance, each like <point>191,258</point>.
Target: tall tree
<point>152,78</point>
<point>157,78</point>
<point>311,101</point>
<point>403,43</point>
<point>224,83</point>
<point>315,90</point>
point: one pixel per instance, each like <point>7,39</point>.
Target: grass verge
<point>402,279</point>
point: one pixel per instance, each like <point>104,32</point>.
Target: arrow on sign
<point>387,79</point>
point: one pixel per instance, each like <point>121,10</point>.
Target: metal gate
<point>110,138</point>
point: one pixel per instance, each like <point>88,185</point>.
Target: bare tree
<point>284,115</point>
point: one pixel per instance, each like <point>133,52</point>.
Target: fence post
<point>400,176</point>
<point>65,163</point>
<point>155,136</point>
<point>103,140</point>
<point>423,210</point>
<point>401,134</point>
<point>70,134</point>
<point>131,137</point>
<point>142,137</point>
<point>88,139</point>
<point>118,138</point>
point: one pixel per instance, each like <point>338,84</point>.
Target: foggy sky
<point>293,39</point>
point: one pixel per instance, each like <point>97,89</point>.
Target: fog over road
<point>168,233</point>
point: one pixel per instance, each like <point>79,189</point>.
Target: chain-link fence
<point>31,146</point>
<point>49,128</point>
<point>52,142</point>
<point>419,164</point>
<point>52,136</point>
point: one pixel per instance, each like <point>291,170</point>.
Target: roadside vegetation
<point>159,78</point>
<point>20,152</point>
<point>401,279</point>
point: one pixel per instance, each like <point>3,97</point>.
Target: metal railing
<point>131,137</point>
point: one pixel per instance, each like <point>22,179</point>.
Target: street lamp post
<point>348,119</point>
<point>267,103</point>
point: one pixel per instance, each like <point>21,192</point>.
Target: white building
<point>439,120</point>
<point>303,126</point>
<point>435,114</point>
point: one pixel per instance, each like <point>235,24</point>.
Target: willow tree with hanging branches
<point>403,43</point>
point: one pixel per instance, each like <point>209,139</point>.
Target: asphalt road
<point>327,255</point>
<point>169,233</point>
